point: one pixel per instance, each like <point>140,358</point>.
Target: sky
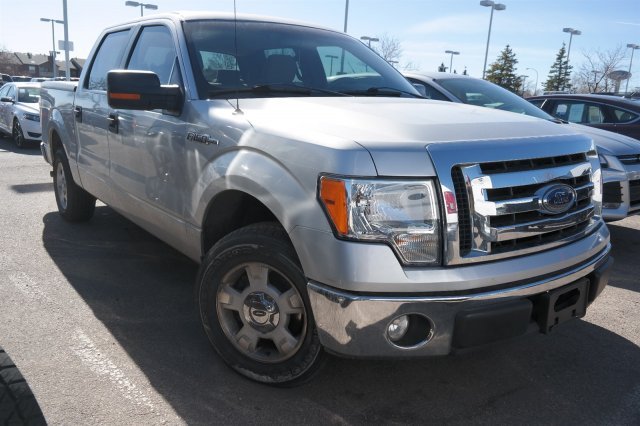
<point>425,28</point>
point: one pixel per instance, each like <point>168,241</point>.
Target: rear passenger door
<point>94,117</point>
<point>148,156</point>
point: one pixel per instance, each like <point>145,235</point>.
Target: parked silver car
<point>619,154</point>
<point>19,112</point>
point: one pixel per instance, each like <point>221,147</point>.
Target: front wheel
<point>254,307</point>
<point>18,134</point>
<point>74,203</point>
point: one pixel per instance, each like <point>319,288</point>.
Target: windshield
<point>482,93</point>
<point>280,59</point>
<point>29,95</point>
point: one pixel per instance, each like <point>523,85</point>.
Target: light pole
<point>369,39</point>
<point>524,81</point>
<point>142,6</point>
<point>346,15</point>
<point>332,57</point>
<point>633,47</point>
<point>535,89</point>
<point>451,52</point>
<point>392,62</point>
<point>572,32</point>
<point>54,69</point>
<point>494,6</point>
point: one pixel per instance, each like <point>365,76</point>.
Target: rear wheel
<point>254,307</point>
<point>18,134</point>
<point>74,203</point>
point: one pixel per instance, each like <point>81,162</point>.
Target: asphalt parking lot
<point>100,319</point>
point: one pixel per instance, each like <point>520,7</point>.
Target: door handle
<point>113,123</point>
<point>77,112</point>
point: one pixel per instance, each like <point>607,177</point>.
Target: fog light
<point>398,328</point>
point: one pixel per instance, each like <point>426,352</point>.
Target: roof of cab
<point>223,16</point>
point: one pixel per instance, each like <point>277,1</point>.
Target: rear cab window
<point>107,58</point>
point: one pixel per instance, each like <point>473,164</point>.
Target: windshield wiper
<point>276,89</point>
<point>382,91</point>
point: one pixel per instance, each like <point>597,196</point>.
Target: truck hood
<point>375,121</point>
<point>609,142</point>
<point>395,131</point>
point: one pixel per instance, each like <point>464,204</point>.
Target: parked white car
<point>20,113</point>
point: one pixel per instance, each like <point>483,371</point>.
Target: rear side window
<point>107,58</point>
<point>623,116</point>
<point>155,51</point>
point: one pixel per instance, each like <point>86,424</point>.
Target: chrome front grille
<point>507,207</point>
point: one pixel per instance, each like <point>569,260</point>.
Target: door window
<point>155,51</point>
<point>107,58</point>
<point>623,116</point>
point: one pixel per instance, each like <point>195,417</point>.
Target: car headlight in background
<point>31,117</point>
<point>403,214</point>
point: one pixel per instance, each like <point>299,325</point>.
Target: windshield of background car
<point>285,60</point>
<point>482,93</point>
<point>29,95</point>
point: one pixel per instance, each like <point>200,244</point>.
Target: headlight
<point>603,161</point>
<point>31,117</point>
<point>403,214</point>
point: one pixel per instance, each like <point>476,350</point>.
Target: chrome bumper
<point>355,325</point>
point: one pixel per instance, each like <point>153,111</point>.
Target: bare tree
<point>7,65</point>
<point>593,73</point>
<point>389,48</point>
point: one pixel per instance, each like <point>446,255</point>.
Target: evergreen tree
<point>560,73</point>
<point>503,71</point>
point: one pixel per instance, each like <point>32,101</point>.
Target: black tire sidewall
<point>19,141</point>
<point>264,249</point>
<point>80,204</point>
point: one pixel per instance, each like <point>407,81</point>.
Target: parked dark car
<point>5,78</point>
<point>607,112</point>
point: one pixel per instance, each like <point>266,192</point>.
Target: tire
<point>18,134</point>
<point>74,203</point>
<point>18,405</point>
<point>255,309</point>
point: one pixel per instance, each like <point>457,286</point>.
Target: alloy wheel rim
<point>61,186</point>
<point>261,312</point>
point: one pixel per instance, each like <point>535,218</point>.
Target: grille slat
<point>464,215</point>
<point>634,192</point>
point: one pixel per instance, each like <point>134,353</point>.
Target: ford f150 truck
<point>330,207</point>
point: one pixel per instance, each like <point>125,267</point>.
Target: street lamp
<point>524,80</point>
<point>572,32</point>
<point>54,69</point>
<point>369,39</point>
<point>535,89</point>
<point>494,6</point>
<point>392,62</point>
<point>142,5</point>
<point>451,52</point>
<point>332,57</point>
<point>633,47</point>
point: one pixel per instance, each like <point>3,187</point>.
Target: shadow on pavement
<point>31,148</point>
<point>625,243</point>
<point>142,290</point>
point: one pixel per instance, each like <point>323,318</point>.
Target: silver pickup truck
<point>330,207</point>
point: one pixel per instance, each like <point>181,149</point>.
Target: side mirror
<point>420,88</point>
<point>141,90</point>
<point>6,99</point>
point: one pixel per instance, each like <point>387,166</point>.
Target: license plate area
<point>562,304</point>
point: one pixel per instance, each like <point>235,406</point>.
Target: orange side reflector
<point>334,197</point>
<point>125,96</point>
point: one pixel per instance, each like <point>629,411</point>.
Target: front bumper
<point>355,325</point>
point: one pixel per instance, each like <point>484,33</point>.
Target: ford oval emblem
<point>556,199</point>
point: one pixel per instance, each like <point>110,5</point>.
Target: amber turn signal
<point>334,197</point>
